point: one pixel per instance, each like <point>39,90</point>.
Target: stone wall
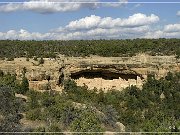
<point>105,85</point>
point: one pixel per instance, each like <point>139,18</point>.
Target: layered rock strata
<point>95,72</point>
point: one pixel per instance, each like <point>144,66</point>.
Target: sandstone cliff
<point>100,72</point>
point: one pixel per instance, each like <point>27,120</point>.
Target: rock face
<point>120,127</point>
<point>100,72</point>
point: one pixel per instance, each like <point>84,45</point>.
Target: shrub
<point>34,114</point>
<point>10,59</point>
<point>9,110</point>
<point>27,59</point>
<point>24,87</point>
<point>33,99</point>
<point>87,122</point>
<point>35,58</point>
<point>1,73</point>
<point>54,128</point>
<point>41,61</point>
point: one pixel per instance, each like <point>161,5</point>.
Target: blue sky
<point>89,20</point>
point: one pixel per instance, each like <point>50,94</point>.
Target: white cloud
<point>172,31</point>
<point>50,6</point>
<point>118,4</point>
<point>85,23</point>
<point>47,6</point>
<point>139,20</point>
<point>178,13</point>
<point>93,27</point>
<point>97,33</point>
<point>108,22</point>
<point>168,31</point>
<point>24,35</point>
<point>153,34</point>
<point>170,28</point>
<point>137,5</point>
<point>10,7</point>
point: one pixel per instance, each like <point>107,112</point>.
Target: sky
<point>89,19</point>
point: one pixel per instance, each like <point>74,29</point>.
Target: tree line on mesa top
<point>15,48</point>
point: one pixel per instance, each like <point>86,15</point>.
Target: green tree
<point>33,99</point>
<point>1,73</point>
<point>87,122</point>
<point>111,115</point>
<point>35,58</point>
<point>41,61</point>
<point>9,110</point>
<point>24,86</point>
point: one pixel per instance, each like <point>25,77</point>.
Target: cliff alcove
<point>106,79</point>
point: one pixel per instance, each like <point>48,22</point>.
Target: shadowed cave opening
<point>106,75</point>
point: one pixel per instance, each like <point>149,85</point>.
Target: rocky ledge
<point>95,72</point>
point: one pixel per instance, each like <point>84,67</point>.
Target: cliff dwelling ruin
<point>106,79</point>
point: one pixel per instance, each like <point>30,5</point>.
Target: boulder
<point>120,127</point>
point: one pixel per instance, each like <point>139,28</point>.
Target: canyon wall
<point>95,72</point>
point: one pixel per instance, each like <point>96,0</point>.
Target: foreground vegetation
<point>154,108</point>
<point>29,49</point>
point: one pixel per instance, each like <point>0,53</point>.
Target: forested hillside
<point>155,108</point>
<point>16,48</point>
